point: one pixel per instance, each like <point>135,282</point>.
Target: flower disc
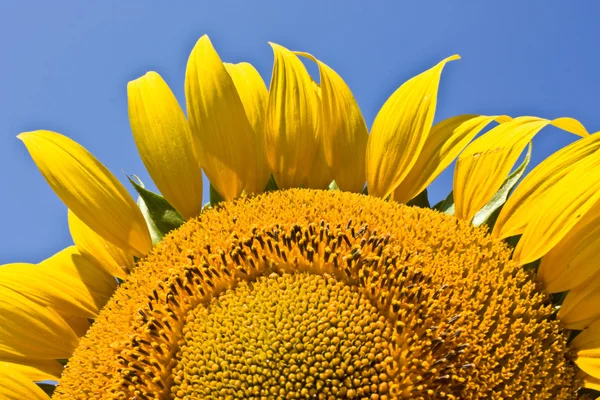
<point>328,295</point>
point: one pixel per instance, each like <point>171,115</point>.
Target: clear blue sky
<point>65,65</point>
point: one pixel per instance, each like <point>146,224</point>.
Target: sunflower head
<point>318,269</point>
<point>305,293</point>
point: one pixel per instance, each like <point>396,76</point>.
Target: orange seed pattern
<point>457,317</point>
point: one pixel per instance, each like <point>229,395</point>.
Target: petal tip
<point>204,39</point>
<point>24,136</point>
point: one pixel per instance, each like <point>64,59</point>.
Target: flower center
<point>314,294</point>
<point>290,335</point>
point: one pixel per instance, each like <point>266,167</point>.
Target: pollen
<point>306,294</point>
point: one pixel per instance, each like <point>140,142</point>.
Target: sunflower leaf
<point>447,205</point>
<point>420,200</point>
<point>48,388</point>
<point>489,213</point>
<point>160,216</point>
<point>271,185</point>
<point>215,197</point>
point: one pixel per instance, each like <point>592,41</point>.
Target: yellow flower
<point>318,290</point>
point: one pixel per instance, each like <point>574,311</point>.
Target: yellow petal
<point>559,210</point>
<point>484,165</point>
<point>319,175</point>
<point>517,211</point>
<point>253,93</point>
<point>587,347</point>
<point>89,189</point>
<point>400,130</point>
<point>165,143</point>
<point>95,248</point>
<point>16,386</point>
<point>67,282</point>
<point>443,144</point>
<point>589,382</point>
<point>79,325</point>
<point>344,130</point>
<point>35,370</point>
<point>582,305</point>
<point>224,137</point>
<point>291,134</point>
<point>575,258</point>
<point>29,330</point>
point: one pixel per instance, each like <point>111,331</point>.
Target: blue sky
<point>65,65</point>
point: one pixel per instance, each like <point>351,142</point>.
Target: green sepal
<point>558,298</point>
<point>271,185</point>
<point>48,388</point>
<point>333,186</point>
<point>215,197</point>
<point>420,200</point>
<point>447,205</point>
<point>160,216</point>
<point>365,191</point>
<point>533,266</point>
<point>489,213</point>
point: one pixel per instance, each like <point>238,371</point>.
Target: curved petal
<point>291,132</point>
<point>484,165</point>
<point>80,325</point>
<point>517,211</point>
<point>590,382</point>
<point>344,130</point>
<point>582,305</point>
<point>253,93</point>
<point>30,330</point>
<point>443,144</point>
<point>89,189</point>
<point>559,210</point>
<point>94,247</point>
<point>319,176</point>
<point>575,258</point>
<point>67,282</point>
<point>165,143</point>
<point>35,370</point>
<point>400,130</point>
<point>587,348</point>
<point>16,386</point>
<point>219,124</point>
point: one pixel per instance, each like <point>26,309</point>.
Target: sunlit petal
<point>165,143</point>
<point>16,386</point>
<point>89,189</point>
<point>484,165</point>
<point>517,211</point>
<point>67,282</point>
<point>30,330</point>
<point>94,247</point>
<point>254,94</point>
<point>587,347</point>
<point>319,176</point>
<point>218,121</point>
<point>576,257</point>
<point>555,214</point>
<point>35,370</point>
<point>291,120</point>
<point>580,308</point>
<point>80,325</point>
<point>443,144</point>
<point>400,131</point>
<point>344,130</point>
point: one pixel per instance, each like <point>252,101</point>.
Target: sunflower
<point>318,269</point>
